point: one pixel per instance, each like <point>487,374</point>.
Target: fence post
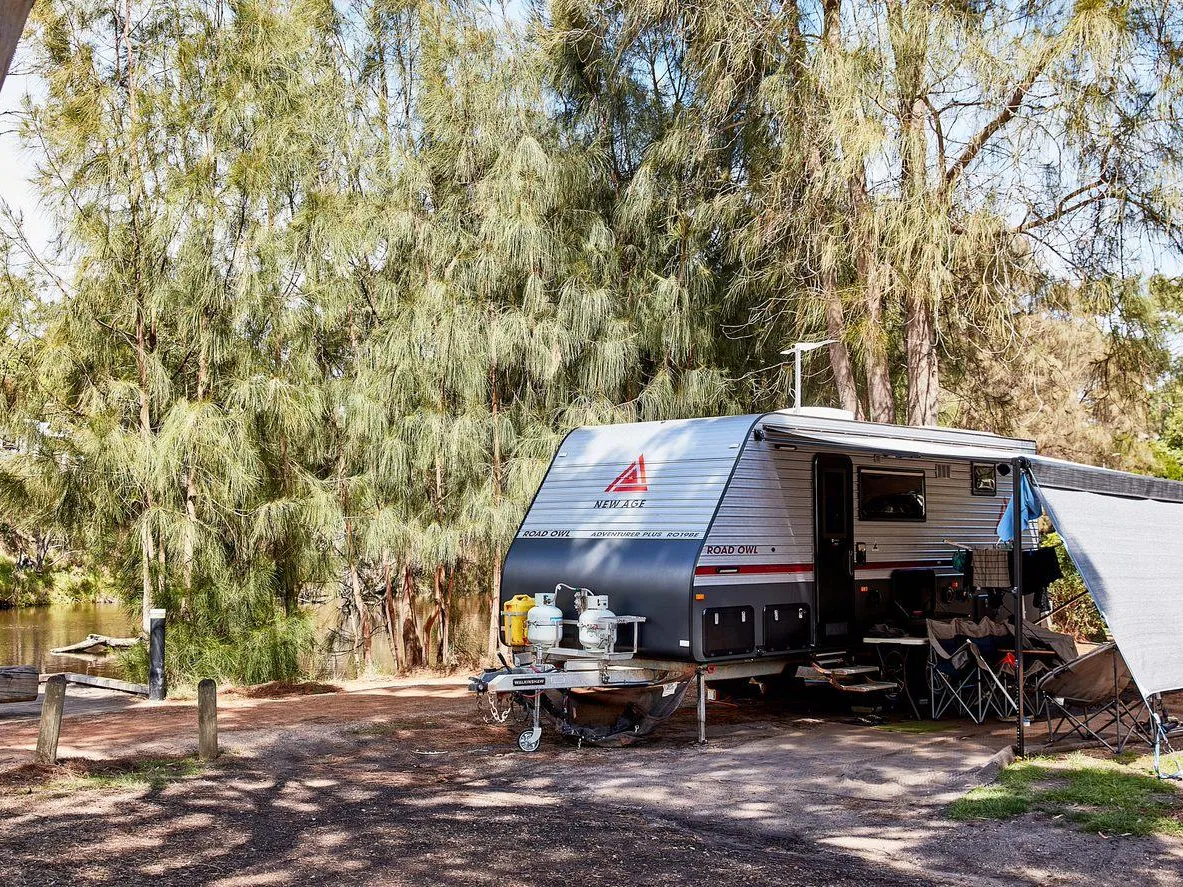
<point>157,689</point>
<point>207,720</point>
<point>51,720</point>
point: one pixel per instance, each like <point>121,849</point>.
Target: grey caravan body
<point>759,536</point>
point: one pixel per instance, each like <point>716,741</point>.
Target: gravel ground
<point>403,784</point>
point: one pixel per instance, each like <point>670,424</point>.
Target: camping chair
<point>960,674</point>
<point>1088,698</point>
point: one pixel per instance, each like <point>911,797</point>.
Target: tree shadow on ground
<point>420,799</point>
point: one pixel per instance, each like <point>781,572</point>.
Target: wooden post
<point>207,720</point>
<point>51,720</point>
<point>157,689</point>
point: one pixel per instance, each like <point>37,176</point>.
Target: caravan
<point>742,546</point>
<point>761,537</point>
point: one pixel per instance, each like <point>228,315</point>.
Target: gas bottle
<point>544,622</point>
<point>597,633</point>
<point>514,624</point>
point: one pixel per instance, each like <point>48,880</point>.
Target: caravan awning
<point>1123,533</point>
<point>917,443</point>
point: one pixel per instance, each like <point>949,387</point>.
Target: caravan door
<point>833,548</point>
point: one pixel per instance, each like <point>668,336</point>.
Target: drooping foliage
<point>332,279</point>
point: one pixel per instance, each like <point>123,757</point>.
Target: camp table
<point>893,663</point>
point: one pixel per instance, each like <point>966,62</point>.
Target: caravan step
<point>828,659</point>
<point>869,687</point>
<point>847,671</point>
<point>813,675</point>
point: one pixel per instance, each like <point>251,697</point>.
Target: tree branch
<point>1066,207</point>
<point>1001,119</point>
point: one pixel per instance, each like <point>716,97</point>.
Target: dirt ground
<point>401,783</point>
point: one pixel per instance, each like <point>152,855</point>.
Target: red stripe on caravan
<point>753,568</point>
<point>757,569</point>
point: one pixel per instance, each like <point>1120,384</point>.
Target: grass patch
<point>80,775</point>
<point>919,728</point>
<point>1112,797</point>
<point>281,689</point>
<point>152,774</point>
<point>393,728</point>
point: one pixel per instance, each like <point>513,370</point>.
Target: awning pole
<point>1017,578</point>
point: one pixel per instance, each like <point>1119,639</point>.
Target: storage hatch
<point>786,627</point>
<point>728,631</point>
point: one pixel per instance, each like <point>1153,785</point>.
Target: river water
<point>27,635</point>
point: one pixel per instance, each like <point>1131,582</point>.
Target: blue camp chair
<point>961,677</point>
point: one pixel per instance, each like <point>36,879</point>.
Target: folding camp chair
<point>1089,698</point>
<point>961,677</point>
<point>1043,650</point>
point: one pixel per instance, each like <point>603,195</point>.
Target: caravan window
<point>885,495</point>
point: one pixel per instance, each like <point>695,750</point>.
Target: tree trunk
<point>495,607</point>
<point>363,631</point>
<point>362,634</point>
<point>362,614</point>
<point>147,548</point>
<point>191,479</point>
<point>147,545</point>
<point>921,352</point>
<point>392,623</point>
<point>909,36</point>
<point>446,624</point>
<point>840,362</point>
<point>495,602</point>
<point>414,654</point>
<point>439,588</point>
<point>880,397</point>
<point>146,555</point>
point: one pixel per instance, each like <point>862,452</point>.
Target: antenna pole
<point>797,377</point>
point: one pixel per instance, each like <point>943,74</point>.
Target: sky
<point>17,166</point>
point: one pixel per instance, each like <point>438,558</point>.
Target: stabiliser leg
<point>702,706</point>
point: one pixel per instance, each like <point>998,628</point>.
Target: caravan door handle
<point>850,562</point>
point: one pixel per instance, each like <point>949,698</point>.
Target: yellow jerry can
<point>514,623</point>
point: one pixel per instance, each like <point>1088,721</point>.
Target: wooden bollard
<point>51,720</point>
<point>207,720</point>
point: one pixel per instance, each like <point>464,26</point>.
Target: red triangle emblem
<point>631,480</point>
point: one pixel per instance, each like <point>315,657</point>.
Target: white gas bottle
<point>597,630</point>
<point>544,622</point>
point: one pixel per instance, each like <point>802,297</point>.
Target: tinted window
<point>891,495</point>
<point>834,503</point>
